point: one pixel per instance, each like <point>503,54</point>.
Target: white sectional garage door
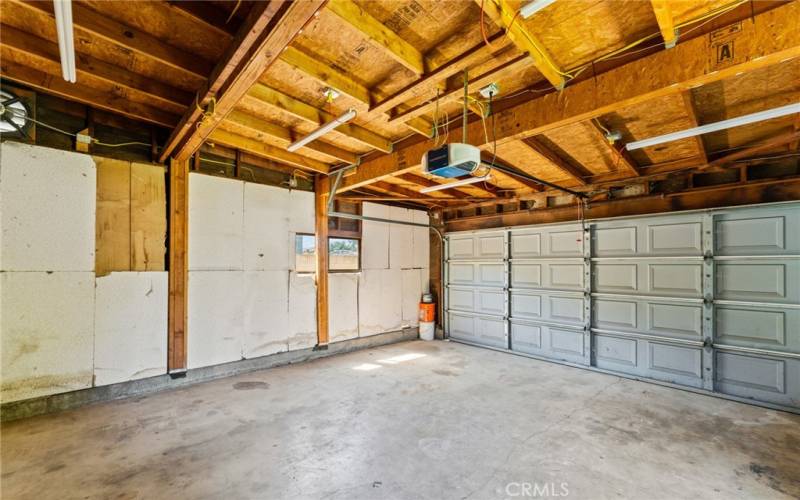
<point>709,300</point>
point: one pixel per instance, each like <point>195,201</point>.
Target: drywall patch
<point>48,209</point>
<point>130,325</point>
<point>301,217</point>
<point>401,248</point>
<point>412,294</point>
<point>215,317</point>
<point>343,306</point>
<point>215,223</point>
<point>379,301</point>
<point>46,331</point>
<point>266,313</point>
<point>420,239</point>
<point>266,228</point>
<point>375,237</point>
<point>302,311</point>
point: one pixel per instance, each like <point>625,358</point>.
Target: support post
<point>178,265</point>
<point>322,192</point>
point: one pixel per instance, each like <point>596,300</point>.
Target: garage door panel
<point>548,274</point>
<point>757,231</point>
<point>773,280</point>
<point>547,242</point>
<point>648,237</point>
<point>490,274</point>
<point>477,246</point>
<point>770,379</point>
<point>477,329</point>
<point>560,343</point>
<point>477,300</point>
<point>757,327</point>
<point>666,279</point>
<point>616,353</point>
<point>544,306</point>
<point>662,318</point>
<point>672,360</point>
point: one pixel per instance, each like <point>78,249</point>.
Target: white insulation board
<point>130,324</point>
<point>301,215</point>
<point>343,306</point>
<point>302,311</point>
<point>215,223</point>
<point>375,237</point>
<point>412,293</point>
<point>401,252</point>
<point>420,239</point>
<point>216,317</point>
<point>380,301</point>
<point>46,332</point>
<point>266,313</point>
<point>266,228</point>
<point>47,200</point>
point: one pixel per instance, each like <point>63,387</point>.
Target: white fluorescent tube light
<point>346,117</point>
<point>533,7</point>
<point>789,109</point>
<point>462,182</point>
<point>66,38</point>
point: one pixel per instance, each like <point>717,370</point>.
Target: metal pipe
<point>517,173</point>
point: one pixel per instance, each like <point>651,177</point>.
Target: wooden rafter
<point>754,149</point>
<point>691,113</point>
<point>764,40</point>
<point>316,116</point>
<point>268,151</point>
<point>666,23</point>
<point>268,29</point>
<point>555,160</point>
<point>425,182</point>
<point>505,17</point>
<point>622,159</point>
<point>377,33</point>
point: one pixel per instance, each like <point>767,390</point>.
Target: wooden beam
<point>377,33</point>
<point>56,85</point>
<point>666,23</point>
<point>312,66</point>
<point>207,13</point>
<point>622,159</point>
<point>321,193</point>
<point>91,67</point>
<point>264,127</point>
<point>178,265</point>
<point>268,151</point>
<point>691,113</point>
<point>94,24</point>
<point>763,40</point>
<point>555,160</point>
<point>425,182</point>
<point>396,189</point>
<point>753,149</point>
<point>504,16</point>
<point>316,116</point>
<point>268,29</point>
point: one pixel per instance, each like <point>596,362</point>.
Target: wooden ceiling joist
<point>666,23</point>
<point>261,148</point>
<point>316,116</point>
<point>425,182</point>
<point>554,159</point>
<point>504,16</point>
<point>622,159</point>
<point>325,74</point>
<point>268,29</point>
<point>377,33</point>
<point>761,41</point>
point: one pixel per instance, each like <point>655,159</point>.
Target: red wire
<point>483,28</point>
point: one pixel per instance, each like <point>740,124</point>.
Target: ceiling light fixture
<point>533,7</point>
<point>66,39</point>
<point>324,129</point>
<point>462,182</point>
<point>761,116</point>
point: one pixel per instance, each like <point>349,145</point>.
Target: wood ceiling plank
<point>764,40</point>
<point>268,29</point>
<point>377,33</point>
<point>268,151</point>
<point>548,154</point>
<point>691,113</point>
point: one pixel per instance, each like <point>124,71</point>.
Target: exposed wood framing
<point>263,149</point>
<point>691,113</point>
<point>178,265</point>
<point>762,41</point>
<point>425,182</point>
<point>400,50</point>
<point>321,193</point>
<point>505,17</point>
<point>555,160</point>
<point>267,31</point>
<point>312,66</point>
<point>622,159</point>
<point>666,23</point>
<point>754,149</point>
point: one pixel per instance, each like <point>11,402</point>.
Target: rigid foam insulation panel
<point>412,293</point>
<point>401,247</point>
<point>130,326</point>
<point>215,223</point>
<point>46,331</point>
<point>266,228</point>
<point>48,209</point>
<point>216,317</point>
<point>380,301</point>
<point>374,237</point>
<point>343,306</point>
<point>302,311</point>
<point>266,313</point>
<point>420,239</point>
<point>301,215</point>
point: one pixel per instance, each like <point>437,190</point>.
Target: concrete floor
<point>434,420</point>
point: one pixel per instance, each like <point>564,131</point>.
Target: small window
<point>305,253</point>
<point>343,254</point>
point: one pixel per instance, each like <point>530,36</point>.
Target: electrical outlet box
<point>489,91</point>
<point>83,138</point>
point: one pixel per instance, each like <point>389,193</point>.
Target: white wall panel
<point>380,301</point>
<point>412,295</point>
<point>302,311</point>
<point>130,325</point>
<point>266,228</point>
<point>48,209</point>
<point>343,306</point>
<point>46,333</point>
<point>215,223</point>
<point>401,240</point>
<point>301,214</point>
<point>421,239</point>
<point>375,237</point>
<point>216,317</point>
<point>266,313</point>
